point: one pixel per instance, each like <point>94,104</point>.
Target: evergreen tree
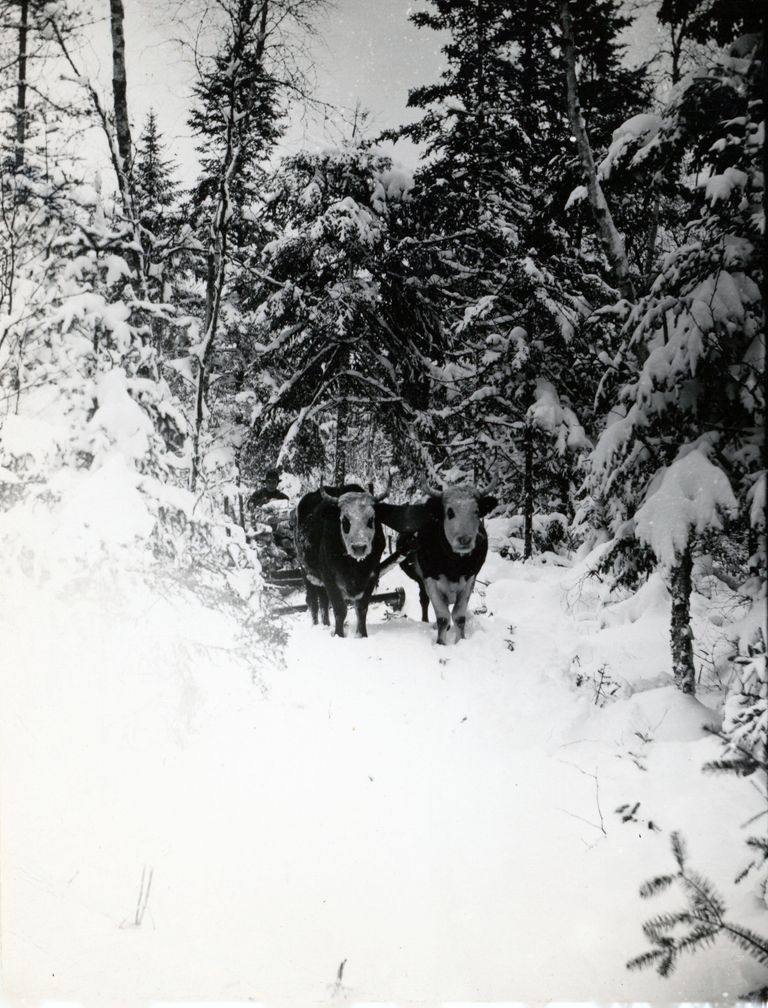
<point>236,109</point>
<point>157,192</point>
<point>494,258</point>
<point>251,69</point>
<point>321,349</point>
<point>686,449</point>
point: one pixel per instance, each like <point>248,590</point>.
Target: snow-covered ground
<point>379,819</point>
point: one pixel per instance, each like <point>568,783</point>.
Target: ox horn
<point>427,489</point>
<point>491,485</point>
<point>380,496</point>
<point>328,497</point>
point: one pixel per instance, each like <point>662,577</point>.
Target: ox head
<point>462,509</point>
<point>357,519</point>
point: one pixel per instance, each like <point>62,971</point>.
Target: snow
<point>636,133</point>
<point>441,820</point>
<point>690,497</point>
<point>577,195</point>
<point>455,105</point>
<point>85,195</point>
<point>757,502</point>
<point>720,188</point>
<point>119,421</point>
<point>117,268</point>
<point>548,413</point>
<point>183,366</point>
<point>396,181</point>
<point>29,435</point>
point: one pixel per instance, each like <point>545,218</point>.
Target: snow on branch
<point>689,496</point>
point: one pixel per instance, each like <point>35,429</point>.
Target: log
<point>395,598</point>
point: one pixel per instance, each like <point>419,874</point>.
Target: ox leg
<point>461,606</point>
<point>440,605</point>
<point>312,601</point>
<point>361,609</point>
<point>424,600</point>
<point>322,596</point>
<point>339,608</point>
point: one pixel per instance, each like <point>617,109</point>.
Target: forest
<point>564,296</point>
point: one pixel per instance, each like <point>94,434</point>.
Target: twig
<point>582,819</point>
<point>597,795</point>
<point>141,904</point>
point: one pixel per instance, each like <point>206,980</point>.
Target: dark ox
<point>447,552</point>
<point>339,542</point>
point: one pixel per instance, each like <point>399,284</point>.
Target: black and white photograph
<point>382,503</point>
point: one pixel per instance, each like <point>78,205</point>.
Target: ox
<point>447,551</point>
<point>339,542</point>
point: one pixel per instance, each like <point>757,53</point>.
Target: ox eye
<point>370,523</point>
<point>345,525</point>
<point>450,513</point>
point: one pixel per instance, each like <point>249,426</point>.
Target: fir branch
<point>704,918</point>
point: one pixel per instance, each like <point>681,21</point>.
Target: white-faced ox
<point>339,542</point>
<point>447,552</point>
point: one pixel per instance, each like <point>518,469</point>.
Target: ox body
<point>339,542</point>
<point>447,552</point>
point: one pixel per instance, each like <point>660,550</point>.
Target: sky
<point>365,51</point>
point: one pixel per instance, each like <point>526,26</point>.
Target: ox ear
<point>403,517</point>
<point>487,504</point>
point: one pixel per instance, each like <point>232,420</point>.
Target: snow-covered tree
<point>494,256</point>
<point>322,349</point>
<point>684,450</point>
<point>157,191</point>
<point>236,116</point>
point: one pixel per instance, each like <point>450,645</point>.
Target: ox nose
<point>359,550</point>
<point>464,540</point>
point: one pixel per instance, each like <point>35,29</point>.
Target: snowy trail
<point>440,820</point>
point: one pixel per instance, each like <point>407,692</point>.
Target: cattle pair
<point>340,540</point>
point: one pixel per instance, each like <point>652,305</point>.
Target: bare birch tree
<point>257,52</point>
<point>612,241</point>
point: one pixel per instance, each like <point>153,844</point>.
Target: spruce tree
<point>685,453</point>
<point>243,120</point>
<point>253,68</point>
<point>157,191</point>
<point>321,346</point>
<point>495,259</point>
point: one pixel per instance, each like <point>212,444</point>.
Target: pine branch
<point>656,885</point>
<point>704,917</point>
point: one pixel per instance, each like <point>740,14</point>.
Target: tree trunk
<point>342,427</point>
<point>480,99</point>
<point>613,243</point>
<point>122,157</point>
<point>371,461</point>
<point>218,249</point>
<point>238,512</point>
<point>119,92</point>
<point>21,88</point>
<point>680,625</point>
<point>653,232</point>
<point>528,494</point>
<point>217,259</point>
